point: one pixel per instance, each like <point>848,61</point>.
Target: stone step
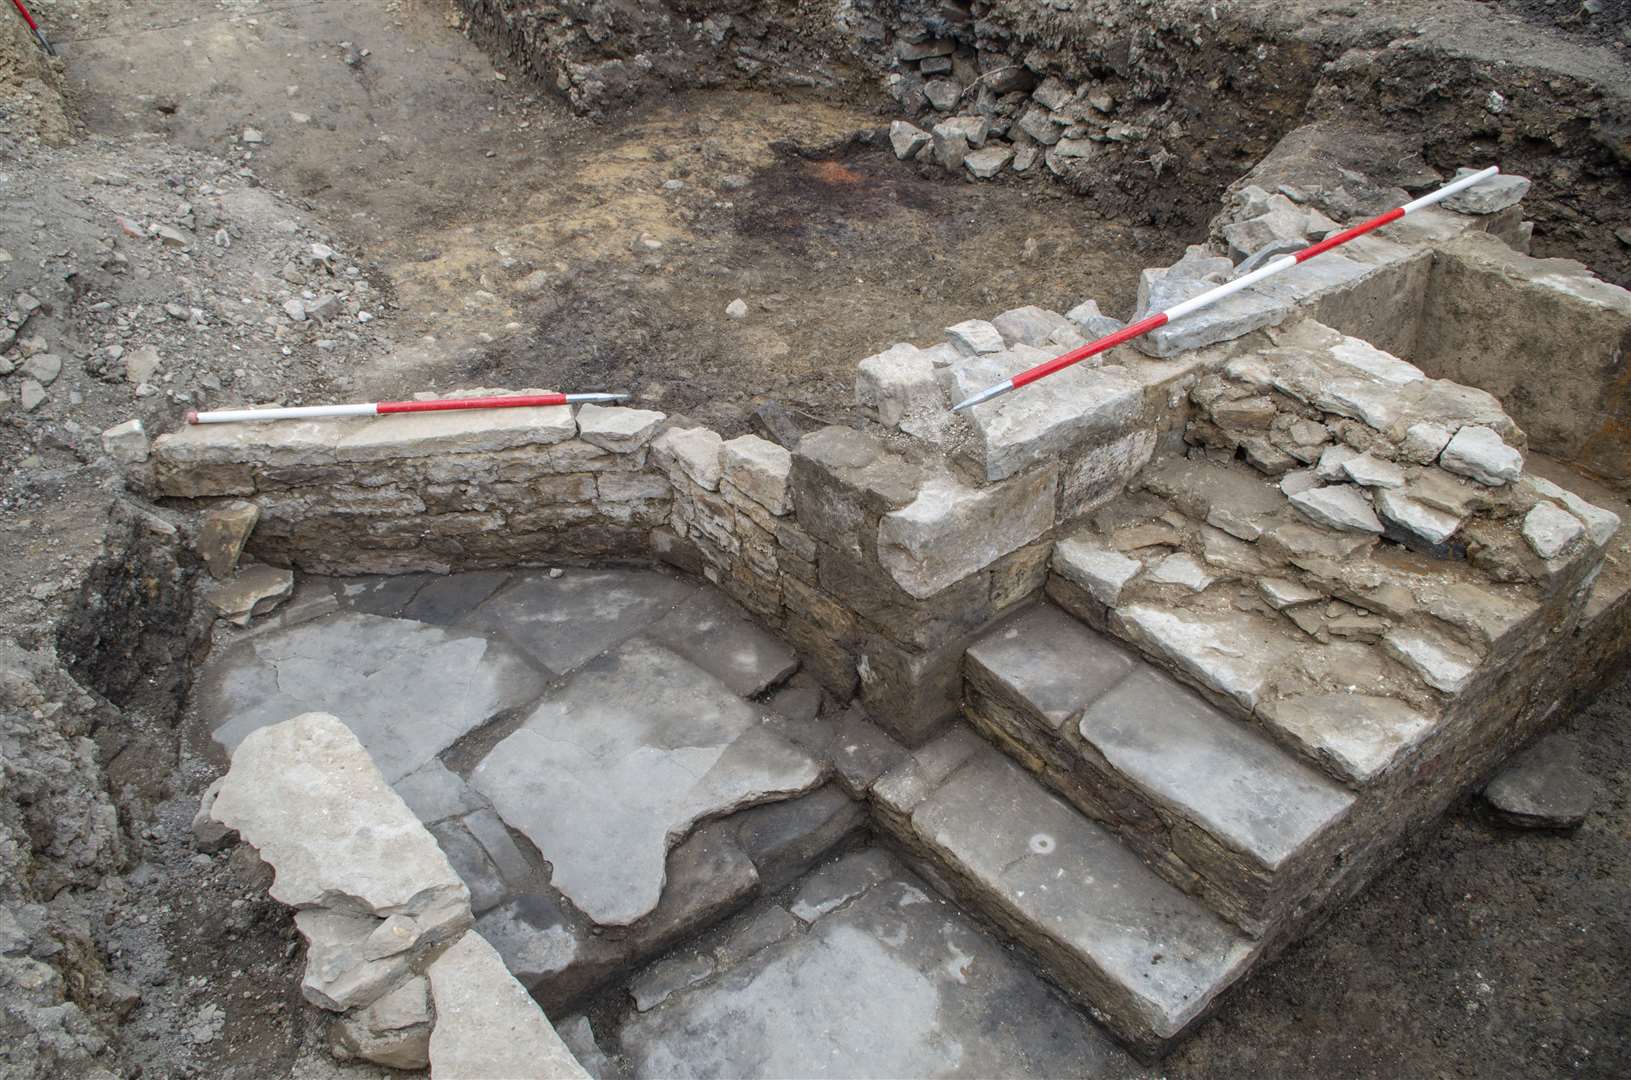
<point>1210,803</point>
<point>1145,958</point>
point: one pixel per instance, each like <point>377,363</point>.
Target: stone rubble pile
<point>385,917</point>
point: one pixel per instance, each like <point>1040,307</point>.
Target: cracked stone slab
<point>1050,661</point>
<point>1229,652</point>
<point>616,765</point>
<point>897,983</point>
<point>371,672</point>
<point>563,621</point>
<point>715,634</point>
<point>1358,735</point>
<point>1145,954</point>
<point>487,1024</point>
<point>1233,782</point>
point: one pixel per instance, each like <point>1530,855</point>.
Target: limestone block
<point>759,469</point>
<point>1489,196</point>
<point>127,443</point>
<point>1230,318</point>
<point>347,853</point>
<point>1370,471</point>
<point>1039,124</point>
<point>1480,453</point>
<point>1551,531</point>
<point>1030,325</point>
<point>895,382</point>
<point>1102,571</point>
<point>463,431</point>
<point>1076,407</point>
<point>1439,662</point>
<point>1417,518</point>
<point>617,429</point>
<point>975,337</point>
<point>1601,524</point>
<point>1359,735</point>
<point>843,481</point>
<point>393,1031</point>
<point>1423,442</point>
<point>1542,787</point>
<point>1182,569</point>
<point>1338,507</point>
<point>988,162</point>
<point>487,1025</point>
<point>694,453</point>
<point>1229,652</point>
<point>950,146</point>
<point>294,442</point>
<point>951,531</point>
<point>223,533</point>
<point>907,139</point>
<point>253,590</point>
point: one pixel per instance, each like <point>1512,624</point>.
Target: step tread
<point>1063,878</point>
<point>1164,738</point>
<point>1239,785</point>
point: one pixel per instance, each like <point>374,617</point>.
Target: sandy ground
<point>518,246</point>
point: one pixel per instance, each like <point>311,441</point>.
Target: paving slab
<point>565,621</point>
<point>1244,790</point>
<point>407,690</point>
<point>443,601</point>
<point>1050,661</point>
<point>614,766</point>
<point>715,634</point>
<point>895,983</point>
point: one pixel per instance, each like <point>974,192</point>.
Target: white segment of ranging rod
<point>1212,296</point>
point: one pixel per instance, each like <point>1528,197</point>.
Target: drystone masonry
<point>1350,585</point>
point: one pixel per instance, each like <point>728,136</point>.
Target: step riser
<point>1177,850</point>
<point>1081,981</point>
<point>1074,599</point>
<point>1144,958</point>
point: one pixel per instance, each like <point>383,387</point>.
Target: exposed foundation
<point>1257,600</point>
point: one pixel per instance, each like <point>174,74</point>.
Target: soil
<point>500,239</point>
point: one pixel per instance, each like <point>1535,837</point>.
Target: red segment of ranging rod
<point>1212,296</point>
<point>386,408</point>
<point>39,35</point>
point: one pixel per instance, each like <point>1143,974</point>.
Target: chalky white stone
<point>760,469</point>
<point>1430,524</point>
<point>620,430</point>
<point>1181,568</point>
<point>1478,452</point>
<point>1440,663</point>
<point>698,453</point>
<point>486,1022</point>
<point>1550,531</point>
<point>1338,507</point>
<point>1101,570</point>
<point>907,139</point>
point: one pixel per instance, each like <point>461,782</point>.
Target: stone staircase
<point>1143,845</point>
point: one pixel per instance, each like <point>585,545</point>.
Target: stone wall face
<point>1547,338</point>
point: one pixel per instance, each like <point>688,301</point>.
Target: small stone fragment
<point>224,532</point>
<point>1542,787</point>
<point>737,309</point>
<point>1550,531</point>
<point>990,161</point>
<point>1478,452</point>
<point>1182,569</point>
<point>1338,507</point>
<point>127,443</point>
<point>907,139</point>
<point>255,590</point>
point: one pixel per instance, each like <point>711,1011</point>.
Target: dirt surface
<point>499,239</point>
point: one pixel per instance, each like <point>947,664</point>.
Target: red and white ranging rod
<point>386,408</point>
<point>1212,296</point>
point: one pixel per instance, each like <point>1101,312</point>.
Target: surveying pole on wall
<point>1212,296</point>
<point>39,35</point>
<point>388,408</point>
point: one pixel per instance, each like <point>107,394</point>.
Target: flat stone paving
<point>560,736</point>
<point>865,972</point>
